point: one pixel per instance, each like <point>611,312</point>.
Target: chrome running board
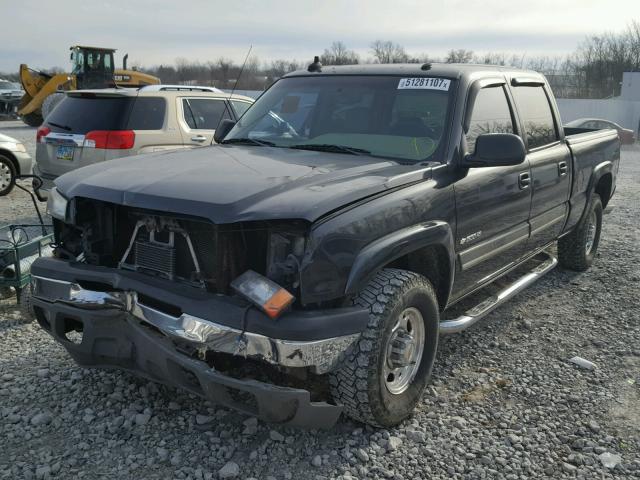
<point>485,307</point>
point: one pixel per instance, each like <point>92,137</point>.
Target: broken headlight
<point>284,255</point>
<point>57,205</point>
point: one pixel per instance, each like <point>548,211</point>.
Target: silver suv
<point>90,126</point>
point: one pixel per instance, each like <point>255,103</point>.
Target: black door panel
<point>550,171</point>
<point>493,228</point>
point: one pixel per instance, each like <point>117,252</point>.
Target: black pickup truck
<point>307,264</point>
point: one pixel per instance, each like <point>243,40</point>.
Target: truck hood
<point>229,184</point>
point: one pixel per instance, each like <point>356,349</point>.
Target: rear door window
<point>535,111</point>
<point>148,113</point>
<point>204,113</point>
<point>491,114</point>
<point>84,114</point>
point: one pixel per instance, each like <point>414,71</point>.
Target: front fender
<point>396,245</point>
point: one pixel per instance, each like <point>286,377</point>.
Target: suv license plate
<point>65,152</point>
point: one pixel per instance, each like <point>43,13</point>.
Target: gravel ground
<point>505,401</point>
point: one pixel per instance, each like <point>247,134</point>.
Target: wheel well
<point>603,188</point>
<point>10,156</point>
<point>433,263</point>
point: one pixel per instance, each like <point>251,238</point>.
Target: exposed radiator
<point>157,258</point>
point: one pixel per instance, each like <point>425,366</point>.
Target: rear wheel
<point>383,376</point>
<point>32,119</point>
<point>7,175</point>
<point>577,250</point>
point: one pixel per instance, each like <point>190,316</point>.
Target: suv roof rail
<point>185,88</point>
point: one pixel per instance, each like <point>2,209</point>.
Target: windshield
<point>389,116</point>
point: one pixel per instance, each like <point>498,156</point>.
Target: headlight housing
<point>20,148</point>
<point>57,205</point>
<point>284,254</point>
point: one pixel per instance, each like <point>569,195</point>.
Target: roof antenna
<point>316,66</point>
<point>240,74</point>
<point>235,85</point>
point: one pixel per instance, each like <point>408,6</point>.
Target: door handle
<point>199,138</point>
<point>563,169</point>
<point>524,180</point>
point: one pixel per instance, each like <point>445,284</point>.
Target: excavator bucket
<point>38,86</point>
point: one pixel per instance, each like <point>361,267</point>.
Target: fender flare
<point>397,244</point>
<point>598,172</point>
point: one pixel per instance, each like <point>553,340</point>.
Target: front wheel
<point>577,250</point>
<point>383,376</point>
<point>25,298</point>
<point>7,175</point>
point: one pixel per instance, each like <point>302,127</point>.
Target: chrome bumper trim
<point>478,312</point>
<point>321,355</point>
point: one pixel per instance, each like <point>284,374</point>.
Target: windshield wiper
<point>325,147</point>
<point>249,141</point>
<point>64,127</point>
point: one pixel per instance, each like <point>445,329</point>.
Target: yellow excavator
<point>92,67</point>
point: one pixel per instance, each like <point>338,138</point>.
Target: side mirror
<point>496,150</point>
<point>224,127</point>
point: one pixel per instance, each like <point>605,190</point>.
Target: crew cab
<point>91,126</point>
<point>329,239</point>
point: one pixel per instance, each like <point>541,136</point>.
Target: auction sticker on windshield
<point>428,83</point>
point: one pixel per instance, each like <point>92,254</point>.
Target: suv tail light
<point>41,133</point>
<point>110,139</point>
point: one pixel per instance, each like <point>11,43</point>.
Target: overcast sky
<point>159,31</point>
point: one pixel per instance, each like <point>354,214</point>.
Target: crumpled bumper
<point>120,331</point>
<point>109,340</point>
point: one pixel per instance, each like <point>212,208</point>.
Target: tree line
<point>593,70</point>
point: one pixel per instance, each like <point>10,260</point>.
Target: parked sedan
<point>626,136</point>
<point>14,161</point>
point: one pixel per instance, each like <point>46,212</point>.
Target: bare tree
<point>339,54</point>
<point>459,56</point>
<point>388,52</point>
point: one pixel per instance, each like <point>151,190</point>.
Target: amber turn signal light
<point>267,295</point>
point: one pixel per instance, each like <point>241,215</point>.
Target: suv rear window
<point>147,114</point>
<point>84,114</point>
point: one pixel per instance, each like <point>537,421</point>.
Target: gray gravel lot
<point>505,402</point>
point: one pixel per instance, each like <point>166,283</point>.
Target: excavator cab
<point>93,67</point>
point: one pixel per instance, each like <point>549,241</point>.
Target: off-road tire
<point>572,248</point>
<point>357,383</point>
<point>50,103</point>
<point>32,119</point>
<point>26,304</point>
<point>7,163</point>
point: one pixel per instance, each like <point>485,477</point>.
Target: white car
<point>14,161</point>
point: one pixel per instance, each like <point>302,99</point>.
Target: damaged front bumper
<point>119,330</point>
